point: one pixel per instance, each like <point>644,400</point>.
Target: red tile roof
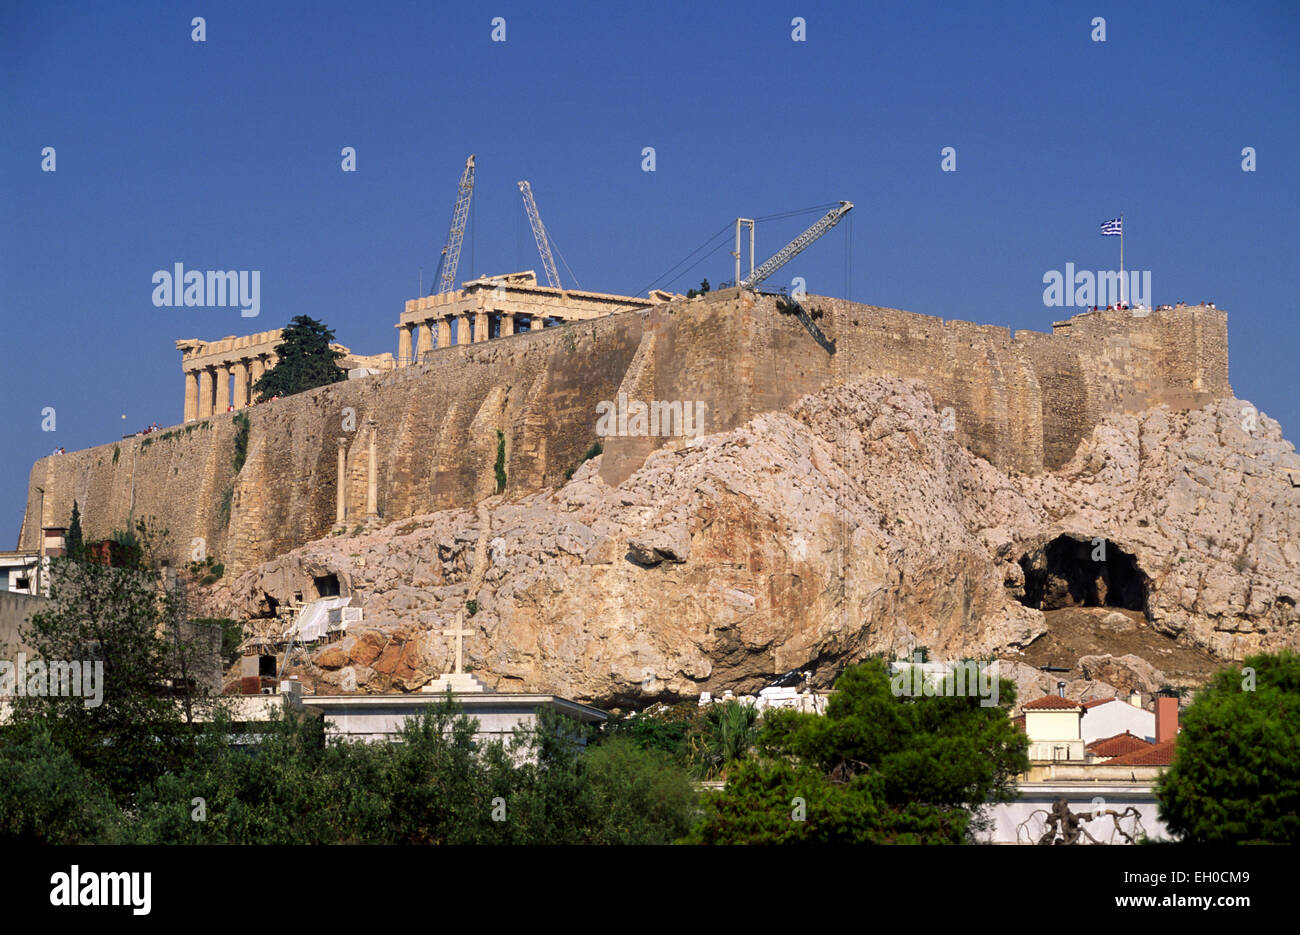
<point>1119,745</point>
<point>1159,754</point>
<point>1052,702</point>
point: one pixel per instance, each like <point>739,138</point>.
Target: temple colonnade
<point>496,307</point>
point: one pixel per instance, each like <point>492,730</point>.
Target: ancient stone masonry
<point>1022,402</point>
<point>210,365</point>
<point>496,307</point>
<point>221,374</point>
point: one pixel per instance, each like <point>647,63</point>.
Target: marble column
<point>480,327</point>
<point>340,497</point>
<point>403,345</point>
<point>507,324</point>
<point>426,340</point>
<point>255,371</point>
<point>206,381</point>
<point>444,332</point>
<point>372,478</point>
<point>191,395</point>
<point>221,401</point>
<point>241,383</point>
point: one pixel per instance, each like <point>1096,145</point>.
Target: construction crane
<point>796,246</point>
<point>539,234</point>
<point>445,278</point>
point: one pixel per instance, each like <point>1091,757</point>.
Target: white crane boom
<point>798,245</point>
<point>456,236</point>
<point>539,234</point>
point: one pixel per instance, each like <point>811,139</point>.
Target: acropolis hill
<point>1023,402</point>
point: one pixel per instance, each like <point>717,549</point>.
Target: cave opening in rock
<point>326,585</point>
<point>1069,572</point>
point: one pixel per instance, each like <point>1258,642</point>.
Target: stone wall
<point>1023,402</point>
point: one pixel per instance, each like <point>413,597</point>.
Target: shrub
<point>223,508</point>
<point>242,426</point>
<point>591,452</point>
<point>501,462</point>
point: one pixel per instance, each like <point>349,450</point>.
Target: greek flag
<point>1112,228</point>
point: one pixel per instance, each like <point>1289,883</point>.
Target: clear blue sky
<point>226,155</point>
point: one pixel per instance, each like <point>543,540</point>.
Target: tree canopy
<point>1235,777</point>
<point>127,630</point>
<point>876,768</point>
<point>305,360</point>
<point>74,541</point>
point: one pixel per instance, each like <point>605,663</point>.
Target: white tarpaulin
<point>314,618</point>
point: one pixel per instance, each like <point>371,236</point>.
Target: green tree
<point>128,631</point>
<point>728,733</point>
<point>305,360</point>
<point>638,796</point>
<point>669,730</point>
<point>292,789</point>
<point>76,545</point>
<point>878,767</point>
<point>1235,776</point>
<point>45,796</point>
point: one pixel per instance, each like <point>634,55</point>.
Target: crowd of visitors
<point>1141,308</point>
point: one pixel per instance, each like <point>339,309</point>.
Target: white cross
<point>459,632</point>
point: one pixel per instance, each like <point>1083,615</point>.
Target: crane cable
<point>848,260</point>
<point>556,248</point>
<point>725,228</point>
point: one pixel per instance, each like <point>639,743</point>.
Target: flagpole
<point>1123,298</point>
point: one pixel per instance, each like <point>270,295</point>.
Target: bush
<point>223,508</point>
<point>639,796</point>
<point>591,452</point>
<point>242,426</point>
<point>501,462</point>
<point>45,796</point>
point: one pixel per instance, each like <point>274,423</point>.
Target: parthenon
<point>498,307</point>
<point>219,375</point>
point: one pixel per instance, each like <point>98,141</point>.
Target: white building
<point>1107,717</point>
<point>1052,725</point>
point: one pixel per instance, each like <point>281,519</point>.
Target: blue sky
<point>225,154</point>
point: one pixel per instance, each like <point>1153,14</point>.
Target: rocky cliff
<point>850,523</point>
<point>1024,402</point>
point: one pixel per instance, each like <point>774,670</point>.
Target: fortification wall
<point>436,447</point>
<point>1021,401</point>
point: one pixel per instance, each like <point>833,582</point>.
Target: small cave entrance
<point>1068,572</point>
<point>326,585</point>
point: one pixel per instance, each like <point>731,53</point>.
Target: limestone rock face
<point>1128,673</point>
<point>672,544</point>
<point>850,524</point>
